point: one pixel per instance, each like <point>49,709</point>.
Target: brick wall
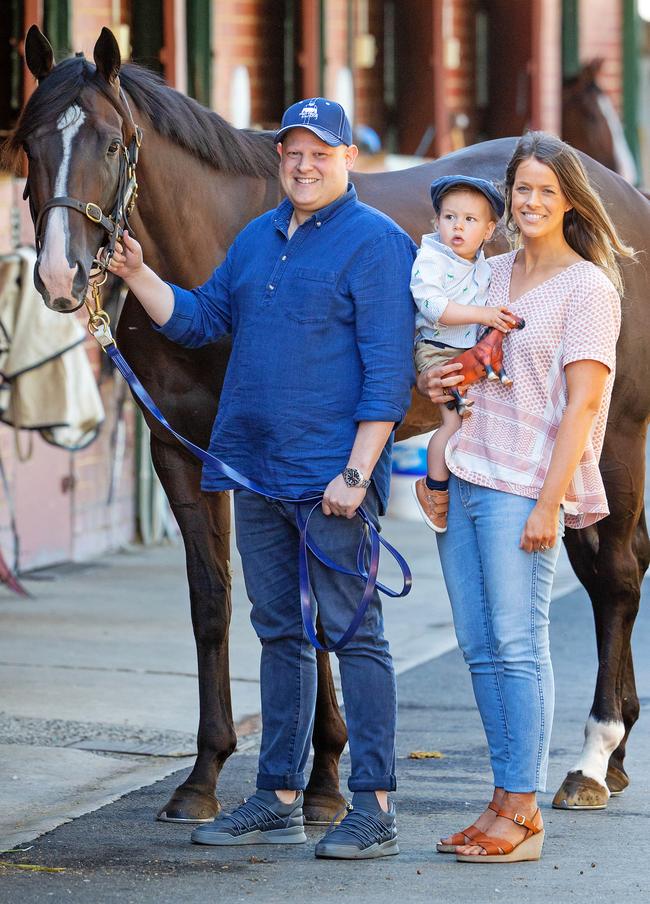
<point>369,82</point>
<point>249,33</point>
<point>88,20</point>
<point>600,35</point>
<point>459,34</point>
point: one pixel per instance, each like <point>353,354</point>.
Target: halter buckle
<point>94,212</point>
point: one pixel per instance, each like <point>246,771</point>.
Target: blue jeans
<point>500,597</point>
<point>267,539</point>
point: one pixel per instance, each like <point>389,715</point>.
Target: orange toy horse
<point>483,359</point>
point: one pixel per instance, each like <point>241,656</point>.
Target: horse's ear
<point>591,68</point>
<point>107,55</point>
<point>39,55</point>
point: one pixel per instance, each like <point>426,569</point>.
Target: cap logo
<point>309,112</point>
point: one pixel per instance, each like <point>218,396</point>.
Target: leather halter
<point>126,197</point>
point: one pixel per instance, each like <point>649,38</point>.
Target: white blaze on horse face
<point>53,267</point>
<point>601,740</point>
<point>625,163</point>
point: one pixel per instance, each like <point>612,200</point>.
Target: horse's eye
<point>113,148</point>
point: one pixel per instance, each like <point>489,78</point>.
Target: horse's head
<point>585,123</point>
<point>77,131</point>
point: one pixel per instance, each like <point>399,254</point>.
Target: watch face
<point>353,477</point>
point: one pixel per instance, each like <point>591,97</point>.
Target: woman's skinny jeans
<point>500,597</point>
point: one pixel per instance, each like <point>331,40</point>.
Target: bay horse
<point>591,124</point>
<point>200,181</point>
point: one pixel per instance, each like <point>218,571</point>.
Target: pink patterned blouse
<point>507,442</point>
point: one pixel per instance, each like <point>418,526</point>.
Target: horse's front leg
<point>323,800</point>
<point>204,521</point>
<point>611,563</point>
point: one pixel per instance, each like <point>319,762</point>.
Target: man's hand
<point>340,499</point>
<point>434,382</point>
<point>155,296</point>
<point>498,318</point>
<point>127,261</point>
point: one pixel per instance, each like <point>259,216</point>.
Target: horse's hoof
<point>492,376</point>
<point>617,781</point>
<point>464,412</point>
<point>321,809</point>
<point>189,806</point>
<point>507,381</point>
<point>579,792</point>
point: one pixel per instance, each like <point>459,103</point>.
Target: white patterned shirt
<point>507,442</point>
<point>438,276</point>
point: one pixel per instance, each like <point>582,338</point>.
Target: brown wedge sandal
<point>498,850</point>
<point>459,838</point>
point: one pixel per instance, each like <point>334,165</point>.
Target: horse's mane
<point>173,115</point>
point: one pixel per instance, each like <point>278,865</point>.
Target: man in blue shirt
<point>316,296</point>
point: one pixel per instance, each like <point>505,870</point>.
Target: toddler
<point>450,281</point>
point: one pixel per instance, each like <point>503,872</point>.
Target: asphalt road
<point>120,854</point>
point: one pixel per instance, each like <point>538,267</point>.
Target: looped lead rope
<point>369,545</point>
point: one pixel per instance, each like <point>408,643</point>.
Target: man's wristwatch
<point>354,478</point>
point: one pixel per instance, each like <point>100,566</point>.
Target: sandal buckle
<point>519,819</point>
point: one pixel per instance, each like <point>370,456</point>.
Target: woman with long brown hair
<point>525,463</point>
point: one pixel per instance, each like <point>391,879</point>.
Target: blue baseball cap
<point>444,184</point>
<point>325,118</point>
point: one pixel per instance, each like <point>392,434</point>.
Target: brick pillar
<point>369,80</point>
<point>32,15</point>
<point>309,55</point>
<point>173,54</point>
<point>336,44</point>
<point>546,66</point>
<point>459,71</point>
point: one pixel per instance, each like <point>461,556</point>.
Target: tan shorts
<point>427,355</point>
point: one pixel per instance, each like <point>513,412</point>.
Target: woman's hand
<point>540,530</point>
<point>498,318</point>
<point>434,382</point>
<point>127,260</point>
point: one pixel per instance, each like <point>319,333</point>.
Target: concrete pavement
<point>119,855</point>
<point>98,673</point>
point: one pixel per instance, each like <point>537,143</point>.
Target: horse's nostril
<point>80,282</point>
<point>39,285</point>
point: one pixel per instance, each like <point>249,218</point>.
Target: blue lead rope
<point>370,536</point>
